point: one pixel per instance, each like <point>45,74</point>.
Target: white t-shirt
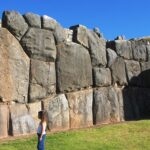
<point>39,129</point>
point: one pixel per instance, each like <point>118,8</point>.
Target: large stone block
<point>102,76</point>
<point>69,35</point>
<point>118,71</point>
<point>39,44</point>
<point>80,35</point>
<point>134,103</point>
<point>89,39</point>
<point>111,56</point>
<point>15,23</point>
<point>74,70</point>
<point>42,79</point>
<point>34,108</point>
<point>101,106</point>
<point>80,107</point>
<point>122,47</point>
<point>106,107</point>
<point>22,122</point>
<point>115,105</point>
<point>121,102</point>
<point>133,70</point>
<point>144,76</point>
<point>14,69</point>
<point>51,24</point>
<point>4,120</point>
<point>58,112</point>
<point>139,49</point>
<point>33,20</point>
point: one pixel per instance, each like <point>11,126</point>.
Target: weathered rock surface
<point>48,23</point>
<point>102,76</point>
<point>80,104</point>
<point>115,106</point>
<point>33,20</point>
<point>90,40</point>
<point>106,106</point>
<point>133,70</point>
<point>4,120</point>
<point>22,121</point>
<point>42,79</point>
<point>104,81</point>
<point>139,50</point>
<point>118,71</point>
<point>58,112</point>
<point>51,24</point>
<point>74,70</point>
<point>33,109</point>
<point>101,106</point>
<point>39,44</point>
<point>111,56</point>
<point>121,102</point>
<point>122,47</point>
<point>143,77</point>
<point>136,103</point>
<point>14,69</point>
<point>15,23</point>
<point>69,35</point>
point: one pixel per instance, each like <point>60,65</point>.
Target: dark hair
<point>42,115</point>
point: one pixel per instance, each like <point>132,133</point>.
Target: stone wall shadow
<point>136,97</point>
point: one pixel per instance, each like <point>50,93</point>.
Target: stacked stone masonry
<point>76,75</point>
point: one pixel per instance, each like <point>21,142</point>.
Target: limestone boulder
<point>106,107</point>
<point>118,71</point>
<point>33,20</point>
<point>123,48</point>
<point>111,56</point>
<point>102,76</point>
<point>14,69</point>
<point>15,23</point>
<point>58,112</point>
<point>80,35</point>
<point>48,23</point>
<point>97,49</point>
<point>4,120</point>
<point>74,69</point>
<point>119,93</point>
<point>133,70</point>
<point>101,106</point>
<point>90,40</point>
<point>21,120</point>
<point>51,24</point>
<point>131,107</point>
<point>33,109</point>
<point>115,105</point>
<point>39,44</point>
<point>145,66</point>
<point>80,108</point>
<point>42,80</point>
<point>143,77</point>
<point>139,49</point>
<point>69,35</point>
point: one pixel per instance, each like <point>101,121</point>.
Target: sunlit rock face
<point>78,77</point>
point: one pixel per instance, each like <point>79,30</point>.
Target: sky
<point>130,18</point>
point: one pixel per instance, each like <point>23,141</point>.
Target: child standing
<point>41,131</point>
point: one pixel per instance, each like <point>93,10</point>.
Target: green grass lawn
<point>124,136</point>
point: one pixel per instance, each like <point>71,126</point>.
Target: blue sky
<point>114,17</point>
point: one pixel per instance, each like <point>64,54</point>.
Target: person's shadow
<point>136,97</point>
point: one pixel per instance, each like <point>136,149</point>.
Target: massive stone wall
<point>74,74</point>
